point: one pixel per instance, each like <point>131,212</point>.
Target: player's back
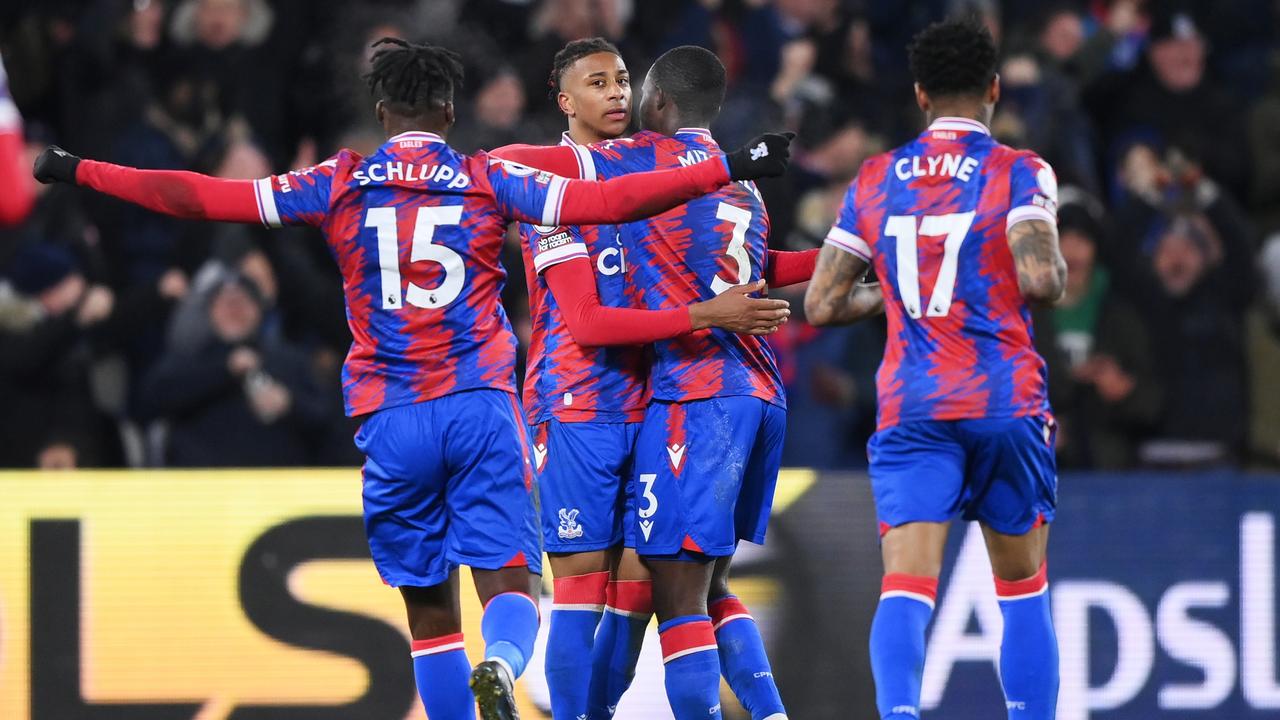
<point>417,236</point>
<point>691,254</point>
<point>933,216</point>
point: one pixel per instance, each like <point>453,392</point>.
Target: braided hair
<point>572,53</point>
<point>413,78</point>
<point>953,57</point>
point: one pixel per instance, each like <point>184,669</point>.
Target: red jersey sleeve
<point>573,284</point>
<point>790,268</point>
<point>571,161</point>
<point>176,193</point>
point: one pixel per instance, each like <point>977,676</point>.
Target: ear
<point>922,98</point>
<point>993,91</point>
<point>565,101</point>
<point>448,114</point>
<point>380,112</point>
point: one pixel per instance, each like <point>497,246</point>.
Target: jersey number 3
<point>737,250</point>
<point>383,219</point>
<point>903,228</point>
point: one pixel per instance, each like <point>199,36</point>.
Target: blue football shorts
<point>583,469</point>
<point>1001,472</point>
<point>704,475</point>
<point>449,482</point>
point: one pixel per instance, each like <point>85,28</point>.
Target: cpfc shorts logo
<point>569,528</point>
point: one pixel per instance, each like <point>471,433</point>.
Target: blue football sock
<point>509,627</point>
<point>897,643</point>
<point>618,643</point>
<point>1029,648</point>
<point>579,602</point>
<point>743,659</point>
<point>441,669</point>
<point>692,666</point>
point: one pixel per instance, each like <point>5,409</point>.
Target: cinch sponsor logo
<point>409,172</point>
<point>1217,665</point>
<point>904,710</point>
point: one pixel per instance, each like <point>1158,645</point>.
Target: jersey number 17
<point>905,229</point>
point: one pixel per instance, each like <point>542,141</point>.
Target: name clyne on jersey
<point>409,172</point>
<point>960,167</point>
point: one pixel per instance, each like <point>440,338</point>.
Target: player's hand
<point>736,311</point>
<point>55,165</point>
<point>764,156</point>
<point>242,361</point>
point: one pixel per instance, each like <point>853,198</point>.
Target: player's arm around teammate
<point>839,292</point>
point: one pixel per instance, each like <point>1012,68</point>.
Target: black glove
<point>765,156</point>
<point>56,165</point>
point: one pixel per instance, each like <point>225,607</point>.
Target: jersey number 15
<point>903,228</point>
<point>383,219</point>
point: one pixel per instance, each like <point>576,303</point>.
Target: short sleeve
<point>844,233</point>
<point>525,194</point>
<point>555,244</point>
<point>300,197</point>
<point>1033,191</point>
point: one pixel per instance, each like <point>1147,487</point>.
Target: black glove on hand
<point>56,165</point>
<point>765,156</point>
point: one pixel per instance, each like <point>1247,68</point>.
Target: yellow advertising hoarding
<point>198,595</point>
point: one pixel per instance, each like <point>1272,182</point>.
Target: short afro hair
<point>953,57</point>
<point>693,78</point>
<point>413,78</point>
<point>571,53</point>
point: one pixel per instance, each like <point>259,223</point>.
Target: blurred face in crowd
<point>1178,62</point>
<point>220,22</point>
<point>146,24</point>
<point>596,94</point>
<point>1179,260</point>
<point>1063,35</point>
<point>1079,251</point>
<point>500,103</point>
<point>234,314</point>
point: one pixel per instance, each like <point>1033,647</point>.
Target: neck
<point>969,111</point>
<point>583,134</point>
<point>394,126</point>
<point>670,124</point>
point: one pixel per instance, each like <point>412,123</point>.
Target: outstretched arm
<point>835,295</point>
<point>177,193</point>
<point>564,160</point>
<point>1042,272</point>
<point>542,198</point>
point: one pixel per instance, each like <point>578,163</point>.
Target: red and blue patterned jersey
<point>416,229</point>
<point>562,378</point>
<point>691,254</point>
<point>931,217</point>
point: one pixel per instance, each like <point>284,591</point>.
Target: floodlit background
<point>248,593</point>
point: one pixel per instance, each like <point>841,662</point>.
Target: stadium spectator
<point>244,399</point>
<point>1112,397</point>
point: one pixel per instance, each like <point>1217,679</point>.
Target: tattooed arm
<point>1042,273</point>
<point>835,295</point>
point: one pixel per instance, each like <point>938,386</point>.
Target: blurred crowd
<point>128,339</point>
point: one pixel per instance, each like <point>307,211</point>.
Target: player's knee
<point>490,583</point>
<point>432,613</point>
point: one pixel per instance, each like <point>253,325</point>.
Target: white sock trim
<point>438,649</point>
<point>583,607</point>
<point>777,716</point>
<point>511,675</point>
<point>731,618</point>
<point>1024,596</point>
<point>689,651</point>
<point>909,595</point>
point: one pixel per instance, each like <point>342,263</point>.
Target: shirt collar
<point>417,135</point>
<point>701,132</point>
<point>958,124</point>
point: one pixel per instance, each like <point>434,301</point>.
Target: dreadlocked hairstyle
<point>572,53</point>
<point>953,57</point>
<point>413,78</point>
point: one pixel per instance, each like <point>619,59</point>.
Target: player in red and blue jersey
<point>694,72</point>
<point>416,229</point>
<point>585,392</point>
<point>962,233</point>
<point>584,402</point>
